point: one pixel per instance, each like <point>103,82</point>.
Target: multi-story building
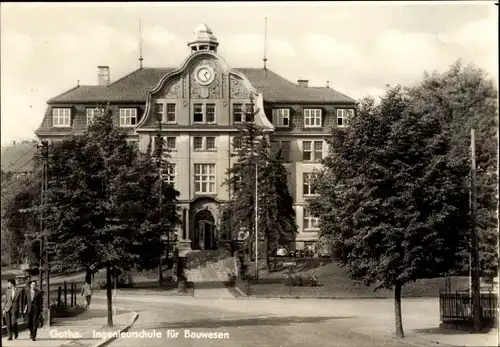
<point>201,104</point>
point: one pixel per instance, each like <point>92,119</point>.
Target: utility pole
<point>476,289</point>
<point>159,148</point>
<point>44,148</point>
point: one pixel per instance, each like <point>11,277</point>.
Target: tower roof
<point>203,34</point>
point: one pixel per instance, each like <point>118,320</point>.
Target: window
<point>204,178</point>
<point>61,117</point>
<point>236,143</point>
<point>249,115</point>
<point>237,113</point>
<point>91,113</point>
<point>198,143</point>
<point>210,143</point>
<point>308,188</point>
<point>281,117</point>
<point>312,118</point>
<point>285,149</point>
<point>159,112</point>
<point>204,143</point>
<point>171,143</point>
<point>171,174</point>
<point>210,113</point>
<point>310,222</point>
<point>343,116</point>
<point>200,111</point>
<point>312,150</point>
<point>128,117</point>
<point>170,113</point>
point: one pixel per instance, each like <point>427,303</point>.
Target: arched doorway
<point>204,223</point>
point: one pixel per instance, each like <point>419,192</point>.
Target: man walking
<point>11,308</point>
<point>33,308</point>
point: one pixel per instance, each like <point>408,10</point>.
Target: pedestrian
<point>33,308</point>
<point>87,292</point>
<point>11,308</point>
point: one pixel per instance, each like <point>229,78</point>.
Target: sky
<point>359,47</point>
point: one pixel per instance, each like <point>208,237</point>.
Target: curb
<point>112,338</point>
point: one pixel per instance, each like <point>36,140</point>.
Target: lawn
<point>335,283</point>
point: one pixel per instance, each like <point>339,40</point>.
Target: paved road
<point>238,325</point>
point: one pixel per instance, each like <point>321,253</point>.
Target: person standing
<point>33,308</point>
<point>87,292</point>
<point>11,308</point>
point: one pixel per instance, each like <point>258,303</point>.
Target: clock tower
<point>203,39</point>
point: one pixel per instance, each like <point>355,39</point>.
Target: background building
<point>201,104</point>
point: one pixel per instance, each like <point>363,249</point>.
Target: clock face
<point>204,75</point>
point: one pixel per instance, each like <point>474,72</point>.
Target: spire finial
<point>140,43</point>
<point>265,45</point>
<point>328,84</point>
<point>78,83</point>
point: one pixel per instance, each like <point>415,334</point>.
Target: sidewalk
<point>87,329</point>
<point>207,285</point>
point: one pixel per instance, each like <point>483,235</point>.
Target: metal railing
<point>457,306</point>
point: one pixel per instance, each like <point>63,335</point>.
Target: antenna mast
<point>140,43</point>
<point>265,45</point>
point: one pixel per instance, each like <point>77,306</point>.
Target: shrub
<point>301,280</point>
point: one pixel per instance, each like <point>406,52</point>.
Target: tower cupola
<point>203,39</point>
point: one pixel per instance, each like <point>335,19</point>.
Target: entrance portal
<point>205,226</point>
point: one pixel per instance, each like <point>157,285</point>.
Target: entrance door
<point>205,226</point>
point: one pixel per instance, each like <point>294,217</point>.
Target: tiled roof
<point>134,88</point>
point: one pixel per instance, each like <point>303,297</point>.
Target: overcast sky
<point>358,47</point>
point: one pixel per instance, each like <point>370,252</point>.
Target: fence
<point>455,307</point>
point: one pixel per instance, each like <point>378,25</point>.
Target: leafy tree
<point>18,218</point>
<point>276,214</point>
<point>100,203</point>
<point>396,210</point>
<point>460,99</point>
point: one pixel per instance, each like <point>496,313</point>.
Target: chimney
<point>303,83</point>
<point>103,75</point>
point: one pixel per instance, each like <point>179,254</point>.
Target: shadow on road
<point>440,331</point>
<point>228,323</point>
<point>209,285</point>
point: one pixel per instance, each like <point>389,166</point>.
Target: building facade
<point>201,104</point>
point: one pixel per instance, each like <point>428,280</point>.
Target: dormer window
<point>281,117</point>
<point>61,117</point>
<point>343,116</point>
<point>128,117</point>
<point>312,118</point>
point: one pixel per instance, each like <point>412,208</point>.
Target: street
<point>235,322</point>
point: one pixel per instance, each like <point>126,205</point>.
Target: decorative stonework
<point>223,85</point>
<point>224,103</point>
<point>174,90</point>
<point>185,103</point>
<point>237,89</point>
<point>214,88</point>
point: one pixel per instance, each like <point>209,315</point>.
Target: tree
<point>276,214</point>
<point>98,201</point>
<point>19,196</point>
<point>394,203</point>
<point>153,218</point>
<point>460,99</point>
